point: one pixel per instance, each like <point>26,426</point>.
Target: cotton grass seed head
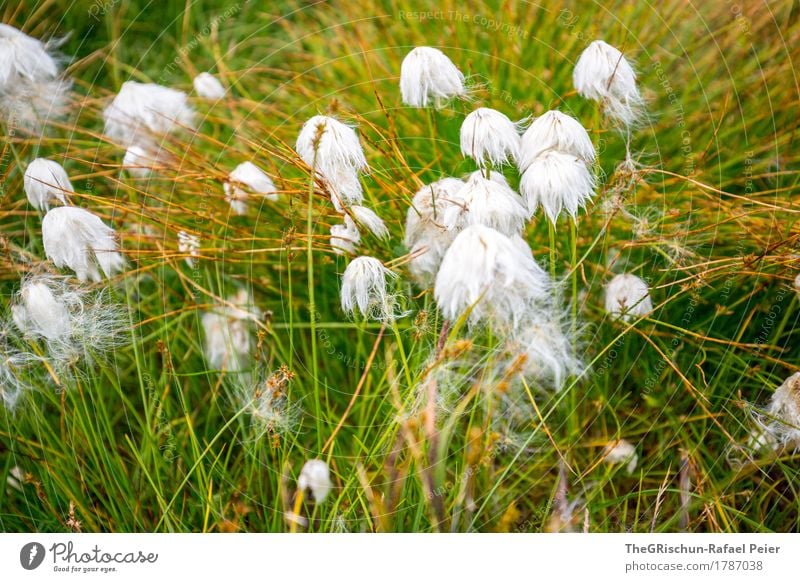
<point>345,237</point>
<point>329,146</point>
<point>370,220</point>
<point>45,181</point>
<point>428,77</point>
<point>558,182</point>
<point>603,74</point>
<point>488,273</point>
<point>486,202</point>
<point>489,137</point>
<point>39,313</point>
<point>143,112</point>
<point>621,451</point>
<point>628,297</point>
<point>365,289</point>
<point>316,477</point>
<point>227,332</point>
<point>555,131</point>
<point>208,86</point>
<point>77,239</point>
<point>784,410</point>
<point>247,178</point>
<point>189,244</point>
<point>139,162</point>
<point>548,348</point>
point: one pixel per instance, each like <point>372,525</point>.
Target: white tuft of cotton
<point>344,188</point>
<point>246,178</point>
<point>603,74</point>
<point>487,274</point>
<point>38,313</point>
<point>628,297</point>
<point>783,414</point>
<point>44,181</point>
<point>370,220</point>
<point>142,112</point>
<point>487,202</point>
<point>227,332</point>
<point>490,138</point>
<point>345,237</point>
<point>365,290</point>
<point>558,182</point>
<point>316,477</point>
<point>621,451</point>
<point>189,244</point>
<point>140,162</point>
<point>328,146</point>
<point>77,239</point>
<point>549,350</point>
<point>555,131</point>
<point>428,77</point>
<point>208,86</point>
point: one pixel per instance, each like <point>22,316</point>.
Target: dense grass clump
<point>422,427</point>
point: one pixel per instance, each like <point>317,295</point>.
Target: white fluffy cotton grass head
<point>628,297</point>
<point>345,237</point>
<point>603,74</point>
<point>244,180</point>
<point>328,146</point>
<point>489,203</point>
<point>548,348</point>
<point>488,277</point>
<point>557,182</point>
<point>370,220</point>
<point>621,452</point>
<point>77,239</point>
<point>490,138</point>
<point>189,245</point>
<point>779,424</point>
<point>365,290</point>
<point>429,78</point>
<point>46,181</point>
<point>227,329</point>
<point>316,478</point>
<point>555,131</point>
<point>208,86</point>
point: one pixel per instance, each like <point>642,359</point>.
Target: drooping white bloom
<point>76,238</point>
<point>31,87</point>
<point>39,313</point>
<point>227,333</point>
<point>489,137</point>
<point>344,188</point>
<point>556,131</point>
<point>45,180</point>
<point>315,476</point>
<point>208,86</point>
<point>369,219</point>
<point>345,237</point>
<point>549,351</point>
<point>603,74</point>
<point>329,146</point>
<point>557,182</point>
<point>628,297</point>
<point>621,451</point>
<point>365,289</point>
<point>428,77</point>
<point>486,202</point>
<point>488,273</point>
<point>143,112</point>
<point>783,414</point>
<point>189,244</point>
<point>247,177</point>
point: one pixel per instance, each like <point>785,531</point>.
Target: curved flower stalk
<point>345,237</point>
<point>486,202</point>
<point>628,297</point>
<point>208,86</point>
<point>428,77</point>
<point>426,236</point>
<point>557,182</point>
<point>31,85</point>
<point>555,131</point>
<point>142,113</point>
<point>488,275</point>
<point>316,477</point>
<point>246,178</point>
<point>44,181</point>
<point>227,332</point>
<point>603,74</point>
<point>490,138</point>
<point>365,289</point>
<point>76,238</point>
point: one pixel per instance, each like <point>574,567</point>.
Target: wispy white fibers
<point>426,236</point>
<point>780,422</point>
<point>488,273</point>
<point>227,333</point>
<point>555,131</point>
<point>548,348</point>
<point>621,451</point>
<point>208,86</point>
<point>315,476</point>
<point>140,162</point>
<point>76,238</point>
<point>45,181</point>
<point>189,244</point>
<point>370,220</point>
<point>266,400</point>
<point>489,137</point>
<point>428,77</point>
<point>39,313</point>
<point>628,297</point>
<point>143,112</point>
<point>603,74</point>
<point>245,178</point>
<point>365,289</point>
<point>31,87</point>
<point>345,237</point>
<point>15,369</point>
<point>557,182</point>
<point>486,202</point>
